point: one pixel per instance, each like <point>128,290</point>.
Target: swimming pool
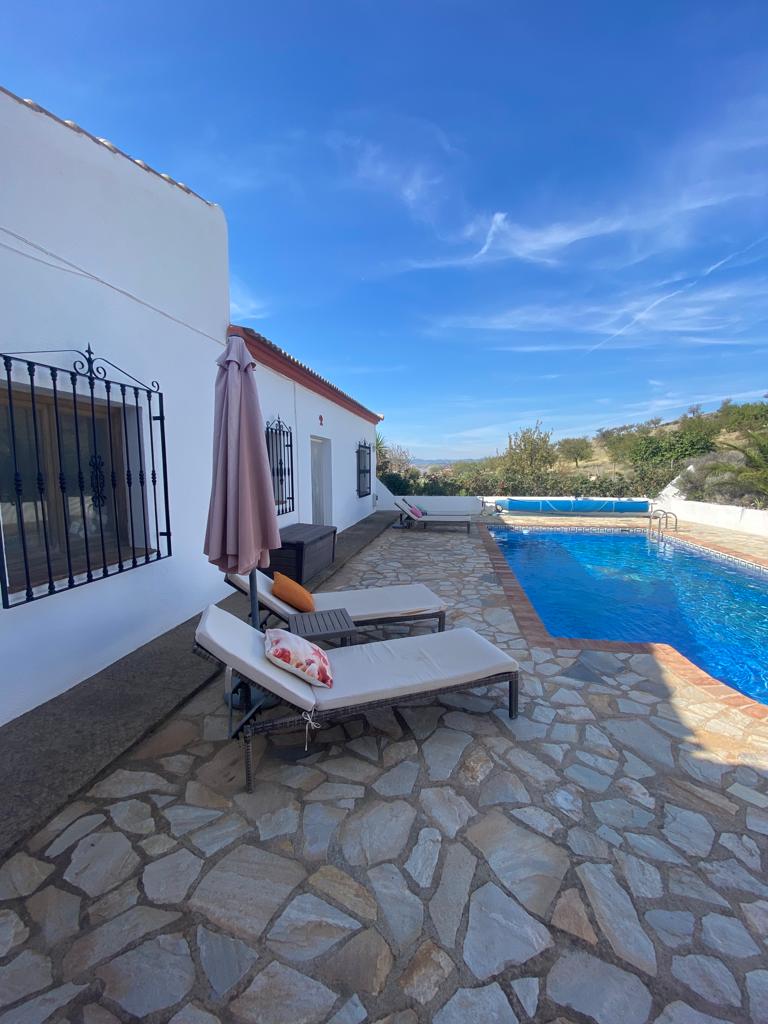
<point>621,586</point>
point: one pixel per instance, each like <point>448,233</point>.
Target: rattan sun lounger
<point>431,518</point>
<point>367,606</point>
<point>365,676</point>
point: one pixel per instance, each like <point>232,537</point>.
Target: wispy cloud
<point>244,305</point>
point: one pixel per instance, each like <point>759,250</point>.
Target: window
<point>280,452</point>
<point>83,490</point>
<point>363,469</point>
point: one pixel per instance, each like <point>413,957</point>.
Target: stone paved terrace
<point>601,859</point>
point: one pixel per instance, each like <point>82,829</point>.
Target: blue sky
<point>467,214</point>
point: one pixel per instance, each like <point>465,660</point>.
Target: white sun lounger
<point>365,676</point>
<point>369,606</point>
<point>459,519</point>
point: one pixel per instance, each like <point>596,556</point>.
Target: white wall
<point>301,409</point>
<point>729,517</point>
<point>102,212</point>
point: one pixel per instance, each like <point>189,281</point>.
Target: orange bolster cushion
<point>288,590</point>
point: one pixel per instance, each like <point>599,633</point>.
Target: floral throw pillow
<point>305,660</point>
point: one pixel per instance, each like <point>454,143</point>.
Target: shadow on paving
<point>53,751</point>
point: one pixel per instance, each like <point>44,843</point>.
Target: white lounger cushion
<point>384,670</point>
<point>411,665</point>
<point>434,517</point>
<point>380,603</point>
<point>241,647</point>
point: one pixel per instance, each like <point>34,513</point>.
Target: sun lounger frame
<point>250,725</point>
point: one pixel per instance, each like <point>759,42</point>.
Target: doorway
<point>322,506</point>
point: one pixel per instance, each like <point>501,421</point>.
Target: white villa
<point>100,250</point>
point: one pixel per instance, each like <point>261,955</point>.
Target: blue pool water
<point>614,586</point>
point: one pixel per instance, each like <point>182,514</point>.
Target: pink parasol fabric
<point>242,522</point>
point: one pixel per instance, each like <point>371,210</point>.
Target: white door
<point>322,514</point>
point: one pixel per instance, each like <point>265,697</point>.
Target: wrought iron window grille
<point>279,437</point>
<point>363,469</point>
<point>83,474</point>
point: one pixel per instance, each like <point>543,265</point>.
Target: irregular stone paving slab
<point>168,880</point>
<point>617,916</point>
<point>309,927</point>
<point>201,796</point>
<point>172,737</point>
<point>427,971</point>
<point>757,915</point>
<point>183,819</point>
<point>133,816</point>
<point>527,991</point>
<point>191,1014</point>
<point>225,960</point>
<point>218,834</point>
<point>603,992</point>
<point>586,844</point>
<point>402,911</point>
<point>688,830</point>
<point>335,791</point>
<point>352,1012</point>
<point>477,725</point>
<point>642,878</point>
<point>41,1008</point>
<point>21,875</point>
<point>744,847</point>
<point>674,927</point>
<point>539,819</point>
<point>113,936</point>
<point>378,832</point>
<point>570,916</point>
<point>475,767</point>
<point>319,824</point>
<point>529,866</point>
<point>151,977</point>
<point>449,810</point>
<point>682,1013</point>
<point>729,874</point>
<point>122,783</point>
<point>423,859</point>
<point>271,808</point>
<point>56,912</point>
<point>588,778</point>
<point>757,989</point>
<point>500,933</point>
<point>422,721</point>
<point>57,824</point>
<point>653,848</point>
<point>398,781</point>
<point>366,746</point>
<point>346,891</point>
<point>245,888</point>
<point>76,831</point>
<point>280,995</point>
<point>100,862</point>
<point>351,769</point>
<point>396,752</point>
<point>114,903</point>
<point>446,908</point>
<point>707,977</point>
<point>12,931</point>
<point>27,973</point>
<point>362,965</point>
<point>531,766</point>
<point>442,752</point>
<point>727,936</point>
<point>488,1005</point>
<point>683,882</point>
<point>643,738</point>
<point>621,813</point>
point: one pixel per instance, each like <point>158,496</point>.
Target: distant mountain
<point>422,463</point>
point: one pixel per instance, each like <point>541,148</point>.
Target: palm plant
<point>382,453</point>
<point>751,476</point>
